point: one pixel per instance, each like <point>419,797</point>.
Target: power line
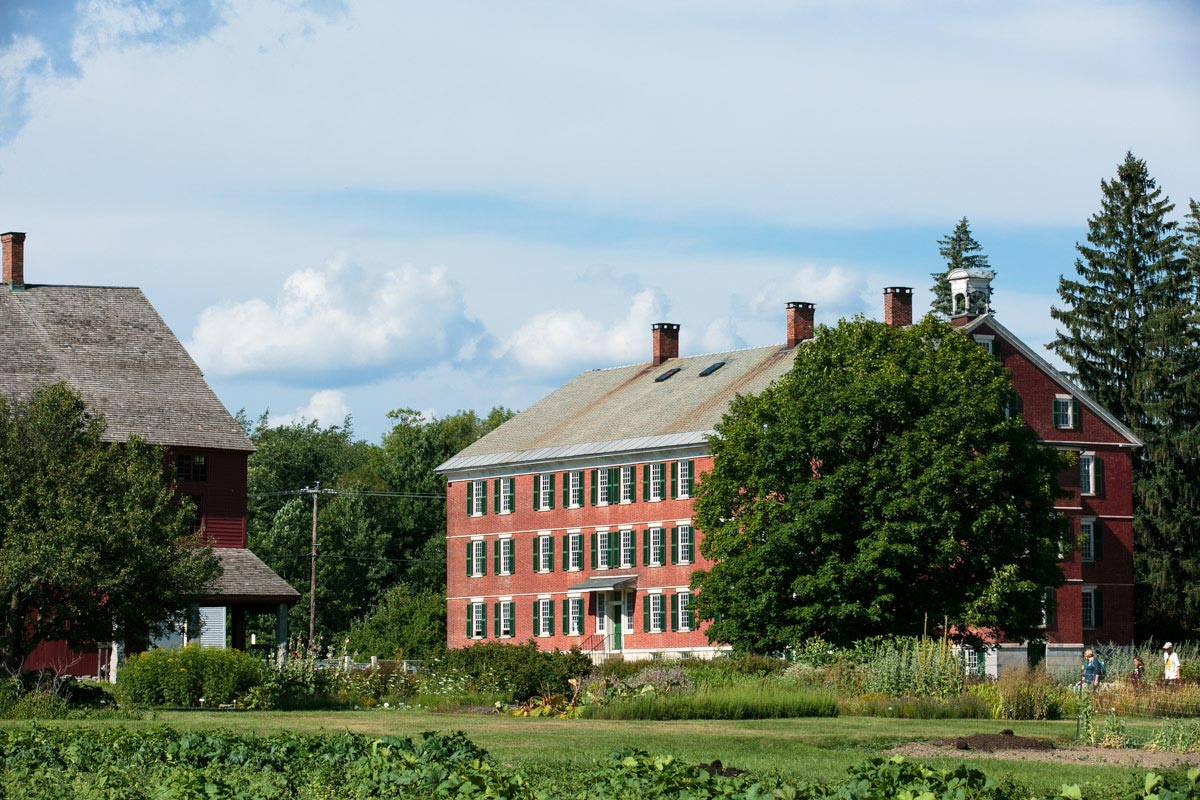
<point>350,492</point>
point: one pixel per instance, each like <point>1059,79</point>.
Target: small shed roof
<point>246,580</point>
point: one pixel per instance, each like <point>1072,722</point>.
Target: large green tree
<point>1129,321</point>
<point>961,251</point>
<point>879,487</point>
<point>94,543</point>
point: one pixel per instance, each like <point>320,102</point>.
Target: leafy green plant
<point>182,676</point>
<point>762,701</point>
<point>523,670</point>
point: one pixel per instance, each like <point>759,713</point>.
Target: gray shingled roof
<point>624,408</point>
<point>110,345</point>
<point>245,579</point>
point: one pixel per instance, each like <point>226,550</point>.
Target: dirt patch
<point>1008,747</point>
<point>716,768</point>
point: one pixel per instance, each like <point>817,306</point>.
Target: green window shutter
<point>512,616</point>
<point>470,619</point>
<point>662,616</point>
<point>483,618</point>
<point>550,476</point>
<point>537,617</point>
<point>1097,538</point>
<point>645,482</point>
<point>566,615</point>
<point>495,494</point>
<point>674,545</point>
<point>674,480</point>
<point>675,612</point>
<point>646,614</point>
<point>550,544</point>
<point>470,549</point>
<point>496,620</point>
<point>1098,466</point>
<point>595,487</point>
<point>645,546</point>
<point>614,548</point>
<point>1098,608</point>
<point>483,561</point>
<point>566,552</point>
<point>470,496</point>
<point>595,562</point>
<point>496,557</point>
<point>614,485</point>
<point>483,496</point>
<point>537,492</point>
<point>1076,417</point>
<point>663,469</point>
<point>537,548</point>
<point>550,612</point>
<point>512,493</point>
<point>566,489</point>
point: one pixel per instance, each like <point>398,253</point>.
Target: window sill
<point>504,513</point>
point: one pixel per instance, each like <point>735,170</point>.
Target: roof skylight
<point>666,375</point>
<point>711,368</point>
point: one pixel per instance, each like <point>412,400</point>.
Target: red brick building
<point>110,345</point>
<point>572,522</point>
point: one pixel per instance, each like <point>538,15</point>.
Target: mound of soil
<point>991,742</point>
<point>716,768</point>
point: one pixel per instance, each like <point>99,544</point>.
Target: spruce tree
<point>960,250</point>
<point>1167,521</point>
<point>1130,321</point>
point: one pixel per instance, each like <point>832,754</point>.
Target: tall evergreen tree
<point>1130,320</point>
<point>960,251</point>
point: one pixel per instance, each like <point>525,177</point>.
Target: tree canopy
<point>1131,321</point>
<point>368,543</point>
<point>961,251</point>
<point>881,486</point>
<point>94,543</point>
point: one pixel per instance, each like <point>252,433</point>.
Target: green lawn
<point>804,749</point>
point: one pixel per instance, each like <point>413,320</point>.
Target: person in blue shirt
<point>1092,671</point>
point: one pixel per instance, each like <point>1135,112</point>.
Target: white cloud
<point>563,341</point>
<point>326,407</point>
<point>338,323</point>
<point>836,290</point>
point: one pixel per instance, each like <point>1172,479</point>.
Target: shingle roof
<point>110,345</point>
<point>625,408</point>
<point>246,579</point>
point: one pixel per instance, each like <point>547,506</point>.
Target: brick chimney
<point>897,306</point>
<point>13,259</point>
<point>799,322</point>
<point>666,341</point>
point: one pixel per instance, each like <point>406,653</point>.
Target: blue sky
<point>352,207</point>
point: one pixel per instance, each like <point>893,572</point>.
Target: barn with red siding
<point>109,344</point>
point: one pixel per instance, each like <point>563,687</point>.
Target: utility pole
<point>312,573</point>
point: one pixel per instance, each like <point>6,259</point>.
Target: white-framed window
<point>684,545</point>
<point>506,619</point>
<point>683,485</point>
<point>985,341</point>
<point>1064,412</point>
<point>654,611</point>
<point>574,489</point>
<point>478,560</point>
<point>626,549</point>
<point>602,487</point>
<point>506,556</point>
<point>545,553</point>
<point>1092,608</point>
<point>575,616</point>
<point>684,602</point>
<point>1087,539</point>
<point>545,617</point>
<point>970,660</point>
<point>506,495</point>
<point>656,481</point>
<point>601,612</point>
<point>546,491</point>
<point>656,547</point>
<point>1091,474</point>
<point>626,484</point>
<point>575,551</point>
<point>476,498</point>
<point>476,620</point>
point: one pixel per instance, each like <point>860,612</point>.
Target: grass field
<point>803,749</point>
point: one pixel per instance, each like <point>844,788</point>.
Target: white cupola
<point>970,292</point>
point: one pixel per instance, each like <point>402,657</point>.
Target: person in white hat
<point>1170,663</point>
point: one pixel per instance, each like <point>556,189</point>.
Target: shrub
<point>180,677</point>
<point>39,704</point>
<point>732,670</point>
<point>521,670</point>
<point>965,706</point>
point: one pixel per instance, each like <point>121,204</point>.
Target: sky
<point>350,207</point>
